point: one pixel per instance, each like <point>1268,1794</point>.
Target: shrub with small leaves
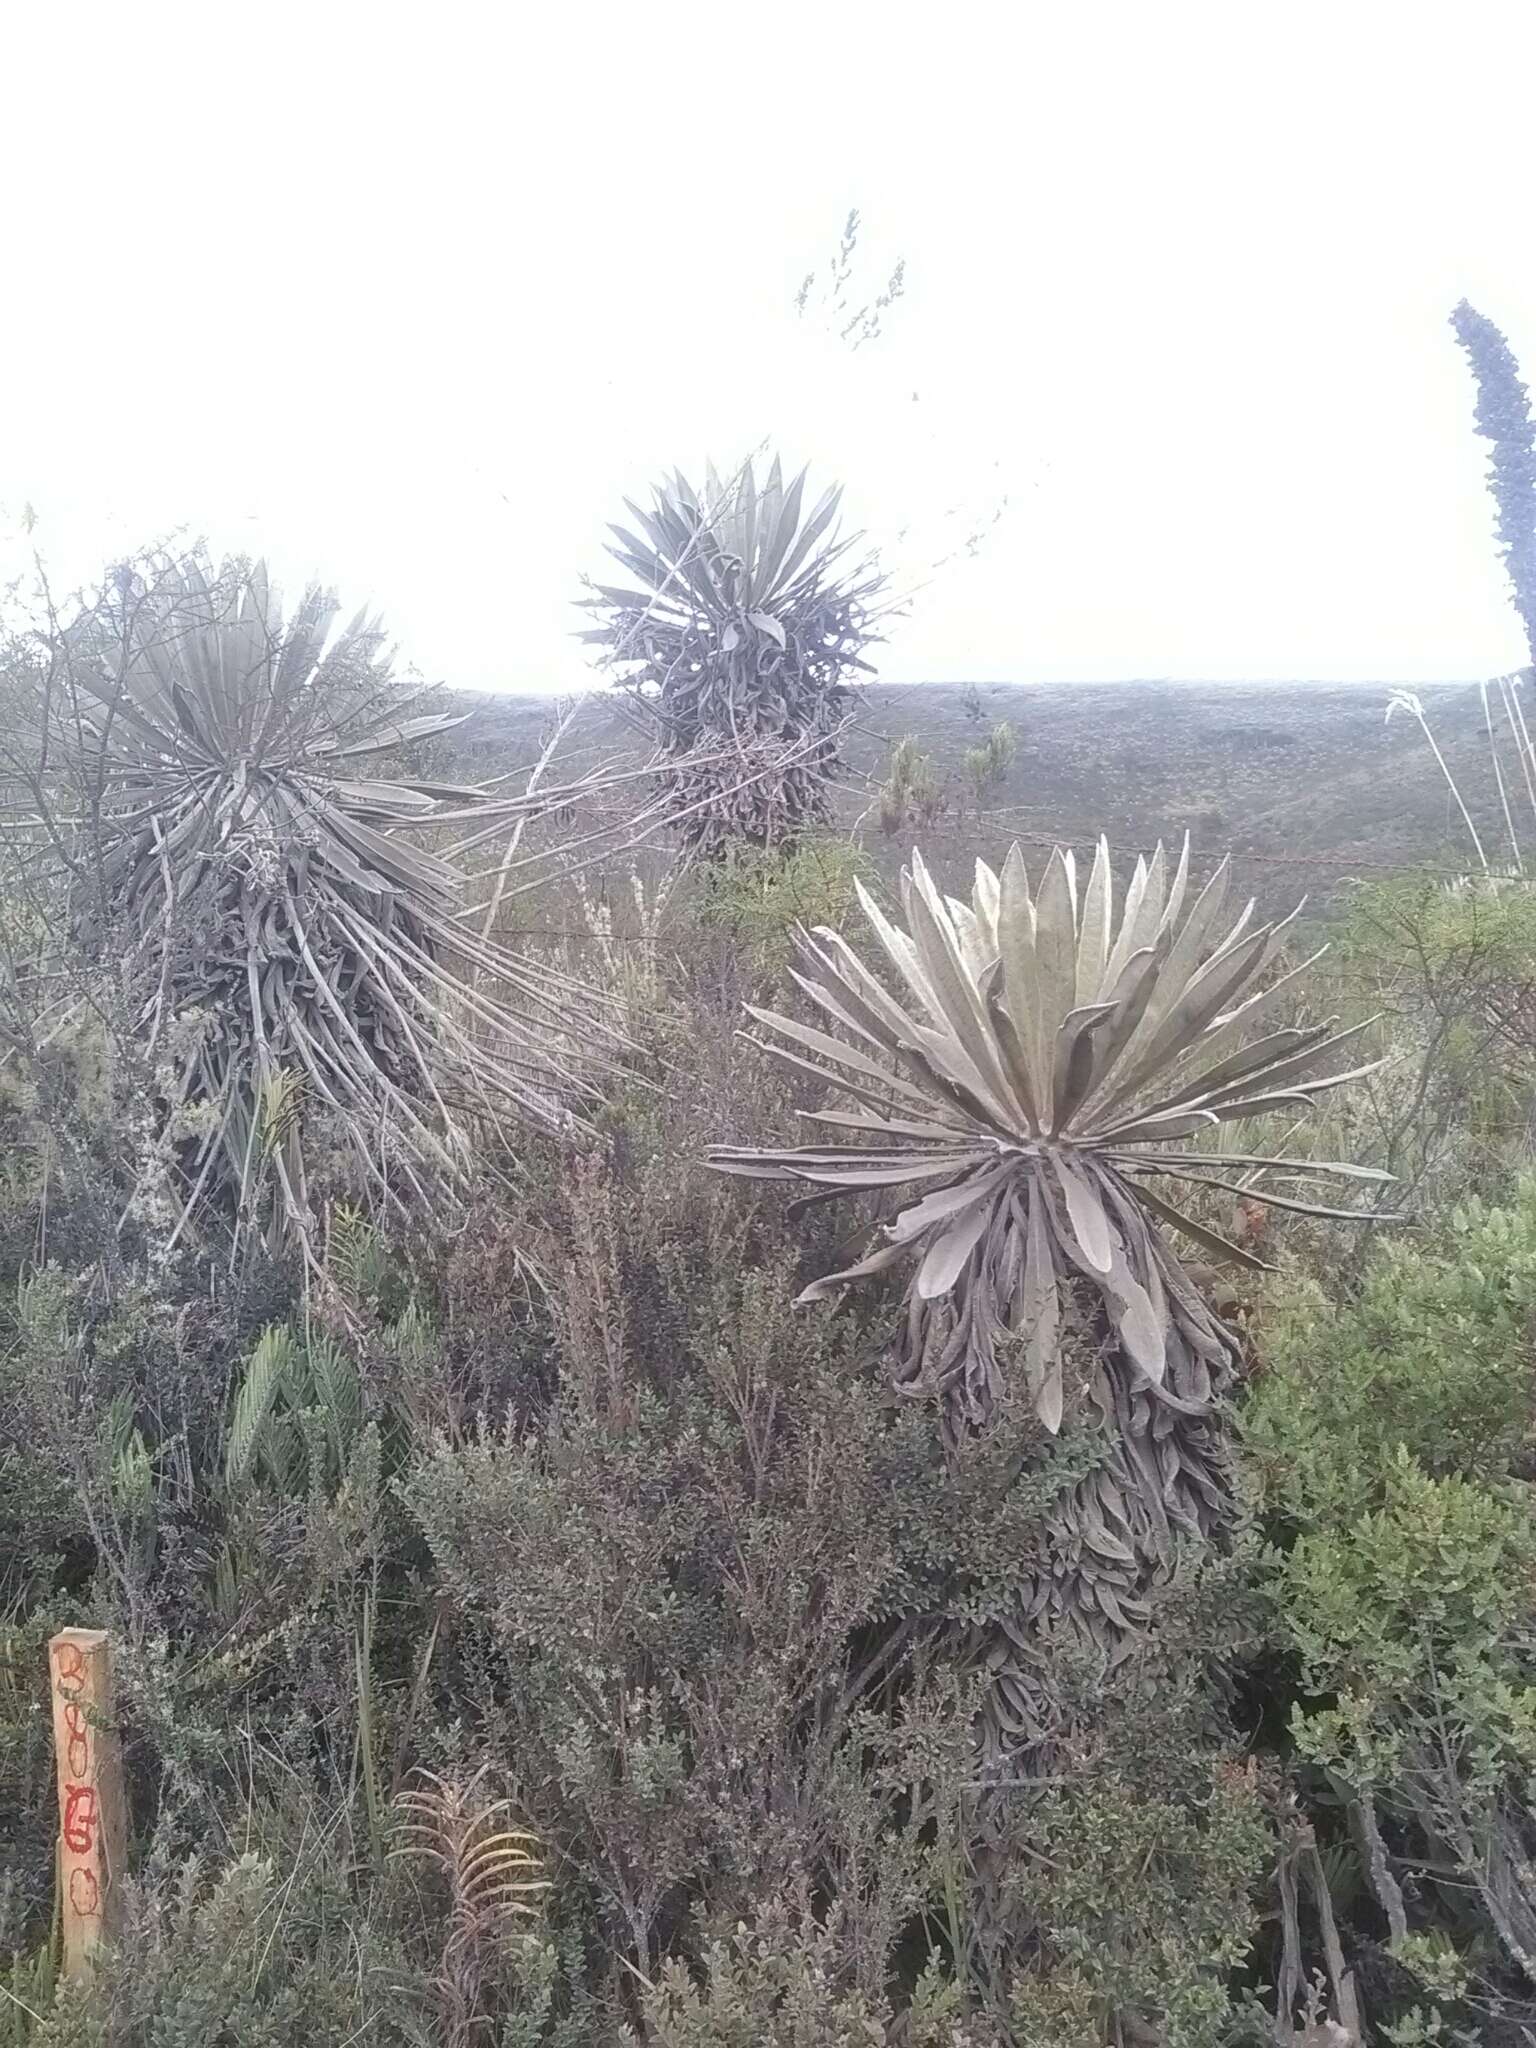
<point>777,1982</point>
<point>236,1958</point>
<point>1391,1438</point>
<point>755,897</point>
<point>1413,1619</point>
<point>1432,1353</point>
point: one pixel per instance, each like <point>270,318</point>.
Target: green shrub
<point>1138,1863</point>
<point>1434,1354</point>
<point>1452,974</point>
<point>238,1957</point>
<point>684,1592</point>
<point>1162,1945</point>
<point>1391,1437</point>
<point>754,896</point>
<point>1426,1595</point>
<point>28,1798</point>
<point>988,765</point>
<point>1413,1629</point>
<point>704,1589</point>
<point>912,794</point>
<point>775,1983</point>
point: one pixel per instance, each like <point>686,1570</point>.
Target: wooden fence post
<point>93,1814</point>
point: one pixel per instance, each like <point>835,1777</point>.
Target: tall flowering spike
<point>1504,421</point>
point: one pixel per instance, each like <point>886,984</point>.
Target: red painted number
<point>79,1819</point>
<point>77,1754</point>
<point>71,1668</point>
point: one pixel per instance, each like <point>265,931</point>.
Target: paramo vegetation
<point>690,1436</point>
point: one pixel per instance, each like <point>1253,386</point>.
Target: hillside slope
<point>1304,782</point>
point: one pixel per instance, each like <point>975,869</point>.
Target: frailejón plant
<point>749,622</point>
<point>1047,1067</point>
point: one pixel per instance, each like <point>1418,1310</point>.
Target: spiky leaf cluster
<point>1045,1053</point>
<point>241,865</point>
<point>747,623</point>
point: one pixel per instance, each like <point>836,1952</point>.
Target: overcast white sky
<point>412,296</point>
